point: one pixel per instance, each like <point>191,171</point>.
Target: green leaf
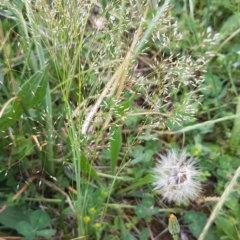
<point>86,167</point>
<point>148,201</point>
<point>25,229</point>
<point>233,203</point>
<point>196,221</point>
<point>142,211</point>
<point>11,115</point>
<point>139,182</point>
<point>39,219</point>
<point>46,233</point>
<point>148,155</point>
<point>115,145</point>
<point>235,138</point>
<point>154,145</point>
<point>129,237</point>
<point>230,25</point>
<point>122,107</point>
<point>137,154</point>
<point>125,235</point>
<point>34,89</point>
<point>144,234</point>
<point>227,226</point>
<point>30,93</point>
<point>141,155</point>
<point>212,86</point>
<point>146,208</point>
<point>67,211</point>
<point>11,216</point>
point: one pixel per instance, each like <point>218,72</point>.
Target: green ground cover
<point>120,119</point>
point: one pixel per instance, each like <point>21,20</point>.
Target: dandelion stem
<point>175,237</point>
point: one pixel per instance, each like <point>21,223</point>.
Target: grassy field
<point>120,119</point>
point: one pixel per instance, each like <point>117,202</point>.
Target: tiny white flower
<point>176,177</point>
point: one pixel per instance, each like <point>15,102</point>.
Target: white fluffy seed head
<point>176,177</point>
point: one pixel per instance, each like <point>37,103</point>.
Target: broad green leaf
<point>196,222</point>
<point>139,182</point>
<point>11,216</point>
<point>122,107</point>
<point>45,233</point>
<point>115,146</point>
<point>87,167</point>
<point>235,138</point>
<point>212,86</point>
<point>25,229</point>
<point>19,4</point>
<point>233,203</point>
<point>39,219</point>
<point>137,154</point>
<point>34,89</point>
<point>142,211</point>
<point>230,25</point>
<point>144,234</point>
<point>67,211</point>
<point>11,114</point>
<point>148,201</point>
<point>30,93</point>
<point>125,235</point>
<point>227,226</point>
<point>129,237</point>
<point>154,145</point>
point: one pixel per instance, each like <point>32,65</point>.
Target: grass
<point>92,93</point>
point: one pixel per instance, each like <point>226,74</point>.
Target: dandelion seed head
<point>177,177</point>
<point>98,23</point>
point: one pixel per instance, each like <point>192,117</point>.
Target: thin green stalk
<point>191,8</point>
<point>175,237</point>
<point>76,159</point>
<point>49,128</point>
<point>232,81</point>
<point>47,162</point>
<point>42,199</point>
<point>204,124</point>
<point>235,138</point>
<point>147,34</point>
<point>220,204</point>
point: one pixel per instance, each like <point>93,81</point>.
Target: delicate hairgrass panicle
<point>174,79</point>
<point>176,177</point>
